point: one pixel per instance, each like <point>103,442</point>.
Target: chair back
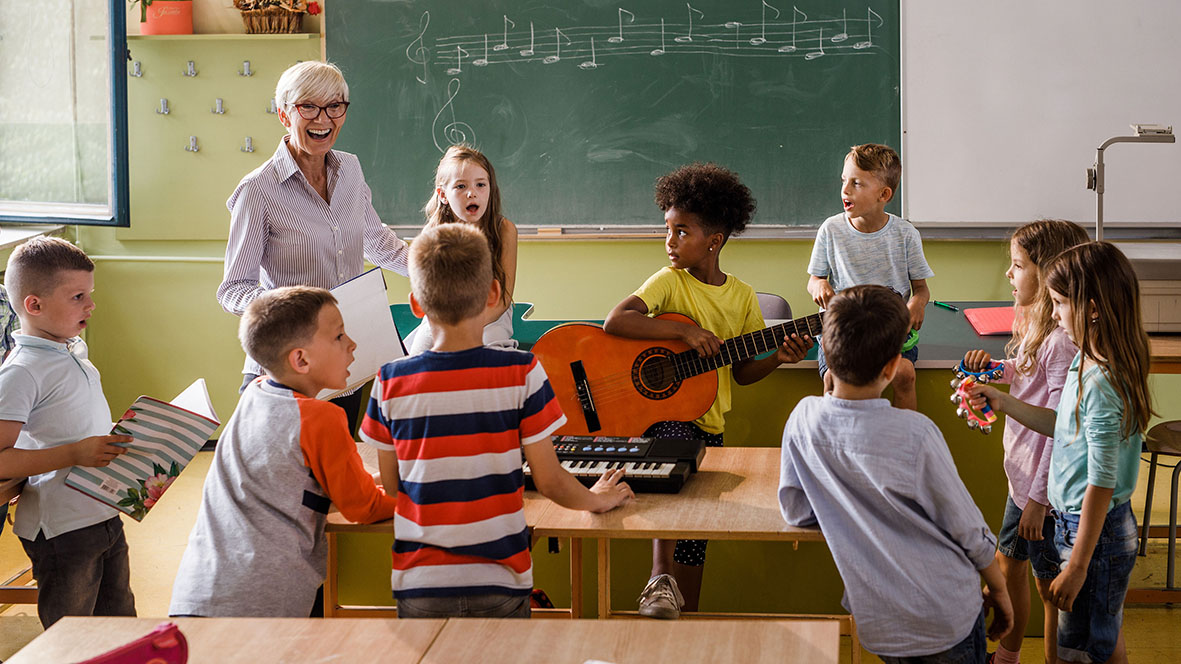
<point>774,306</point>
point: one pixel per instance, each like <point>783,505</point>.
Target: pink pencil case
<point>163,645</point>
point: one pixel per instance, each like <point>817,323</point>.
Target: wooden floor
<point>1152,633</point>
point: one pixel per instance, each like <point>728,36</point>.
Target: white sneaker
<point>661,598</point>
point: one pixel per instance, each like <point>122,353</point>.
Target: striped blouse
<point>282,233</point>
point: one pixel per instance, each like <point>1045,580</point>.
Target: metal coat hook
<point>190,69</point>
<point>245,70</point>
<point>218,107</point>
<point>273,109</point>
<point>163,110</point>
<point>192,146</point>
<point>249,147</point>
<point>136,69</point>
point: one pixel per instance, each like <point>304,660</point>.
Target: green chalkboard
<point>581,104</point>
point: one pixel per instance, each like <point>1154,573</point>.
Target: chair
<point>774,307</point>
<point>1164,438</point>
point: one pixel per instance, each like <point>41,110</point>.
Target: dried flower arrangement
<point>275,16</point>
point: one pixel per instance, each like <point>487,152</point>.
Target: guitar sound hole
<point>654,375</point>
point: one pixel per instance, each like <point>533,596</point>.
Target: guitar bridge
<point>585,400</point>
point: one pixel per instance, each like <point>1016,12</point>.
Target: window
<point>63,112</point>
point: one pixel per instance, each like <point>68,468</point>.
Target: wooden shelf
<point>226,37</point>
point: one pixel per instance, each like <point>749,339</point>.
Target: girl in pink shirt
<point>1042,354</point>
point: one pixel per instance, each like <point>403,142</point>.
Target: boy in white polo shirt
<point>53,416</point>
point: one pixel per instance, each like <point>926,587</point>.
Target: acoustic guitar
<point>616,386</point>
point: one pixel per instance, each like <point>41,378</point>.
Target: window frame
<point>118,212</point>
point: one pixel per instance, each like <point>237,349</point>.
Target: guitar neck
<point>751,344</point>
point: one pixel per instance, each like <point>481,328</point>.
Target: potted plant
<point>165,17</point>
<point>275,16</point>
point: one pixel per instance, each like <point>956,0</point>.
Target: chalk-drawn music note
<point>791,48</point>
<point>593,63</point>
<point>557,56</point>
<point>812,55</point>
<point>660,51</point>
<point>630,19</point>
<point>762,38</point>
<point>844,33</point>
<point>458,68</point>
<point>504,43</point>
<point>869,26</point>
<point>689,37</point>
<point>453,132</point>
<point>528,52</point>
<point>481,62</point>
<point>420,51</point>
<point>736,26</point>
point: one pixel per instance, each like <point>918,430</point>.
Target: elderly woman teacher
<point>305,216</point>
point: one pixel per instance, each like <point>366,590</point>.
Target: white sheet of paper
<point>195,399</point>
<point>367,320</point>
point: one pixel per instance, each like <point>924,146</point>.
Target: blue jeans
<point>84,572</point>
<point>1043,555</point>
<point>465,606</point>
<point>1089,631</point>
<point>971,650</point>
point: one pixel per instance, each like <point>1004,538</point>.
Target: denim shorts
<point>466,606</point>
<point>912,355</point>
<point>1043,555</point>
<point>972,650</point>
<point>1088,632</point>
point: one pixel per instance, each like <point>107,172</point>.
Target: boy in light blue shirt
<point>908,540</point>
<point>866,245</point>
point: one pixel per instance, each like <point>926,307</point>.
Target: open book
<point>368,322</point>
<point>167,435</point>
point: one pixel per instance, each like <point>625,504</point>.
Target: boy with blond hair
<point>864,244</point>
<point>450,425</point>
<point>53,416</point>
<point>908,541</point>
<point>258,547</point>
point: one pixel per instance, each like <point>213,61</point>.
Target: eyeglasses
<point>335,110</point>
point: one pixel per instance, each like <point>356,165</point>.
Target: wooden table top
<point>243,639</point>
<point>734,495</point>
<point>641,641</point>
<point>1165,352</point>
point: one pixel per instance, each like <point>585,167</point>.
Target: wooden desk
<point>1165,353</point>
<point>733,496</point>
<point>447,641</point>
<point>574,642</point>
<point>243,639</point>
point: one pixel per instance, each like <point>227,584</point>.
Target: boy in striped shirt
<point>449,426</point>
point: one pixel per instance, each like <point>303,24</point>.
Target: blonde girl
<point>1097,429</point>
<point>466,192</point>
<point>1040,354</point>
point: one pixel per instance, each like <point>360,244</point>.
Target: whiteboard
<point>1005,102</point>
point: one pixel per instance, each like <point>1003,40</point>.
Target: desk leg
<point>575,578</point>
<point>330,601</point>
<point>854,642</point>
<point>604,578</point>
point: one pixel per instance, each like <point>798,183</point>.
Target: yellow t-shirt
<point>729,310</point>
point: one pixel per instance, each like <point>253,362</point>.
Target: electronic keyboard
<point>651,465</point>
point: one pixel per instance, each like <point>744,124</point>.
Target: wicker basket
<point>272,20</point>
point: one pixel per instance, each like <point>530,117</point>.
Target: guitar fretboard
<point>689,363</point>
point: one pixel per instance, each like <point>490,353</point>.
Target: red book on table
<point>991,320</point>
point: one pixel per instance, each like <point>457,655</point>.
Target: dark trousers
<point>84,572</point>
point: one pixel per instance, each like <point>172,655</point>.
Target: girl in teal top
<point>1097,436</point>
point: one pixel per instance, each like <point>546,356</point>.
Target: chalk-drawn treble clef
<point>453,132</point>
<point>416,52</point>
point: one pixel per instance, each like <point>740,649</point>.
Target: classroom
<point>996,110</point>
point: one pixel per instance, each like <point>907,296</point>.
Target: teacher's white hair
<point>311,81</point>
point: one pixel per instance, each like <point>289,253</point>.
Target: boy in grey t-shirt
<point>908,540</point>
<point>866,245</point>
